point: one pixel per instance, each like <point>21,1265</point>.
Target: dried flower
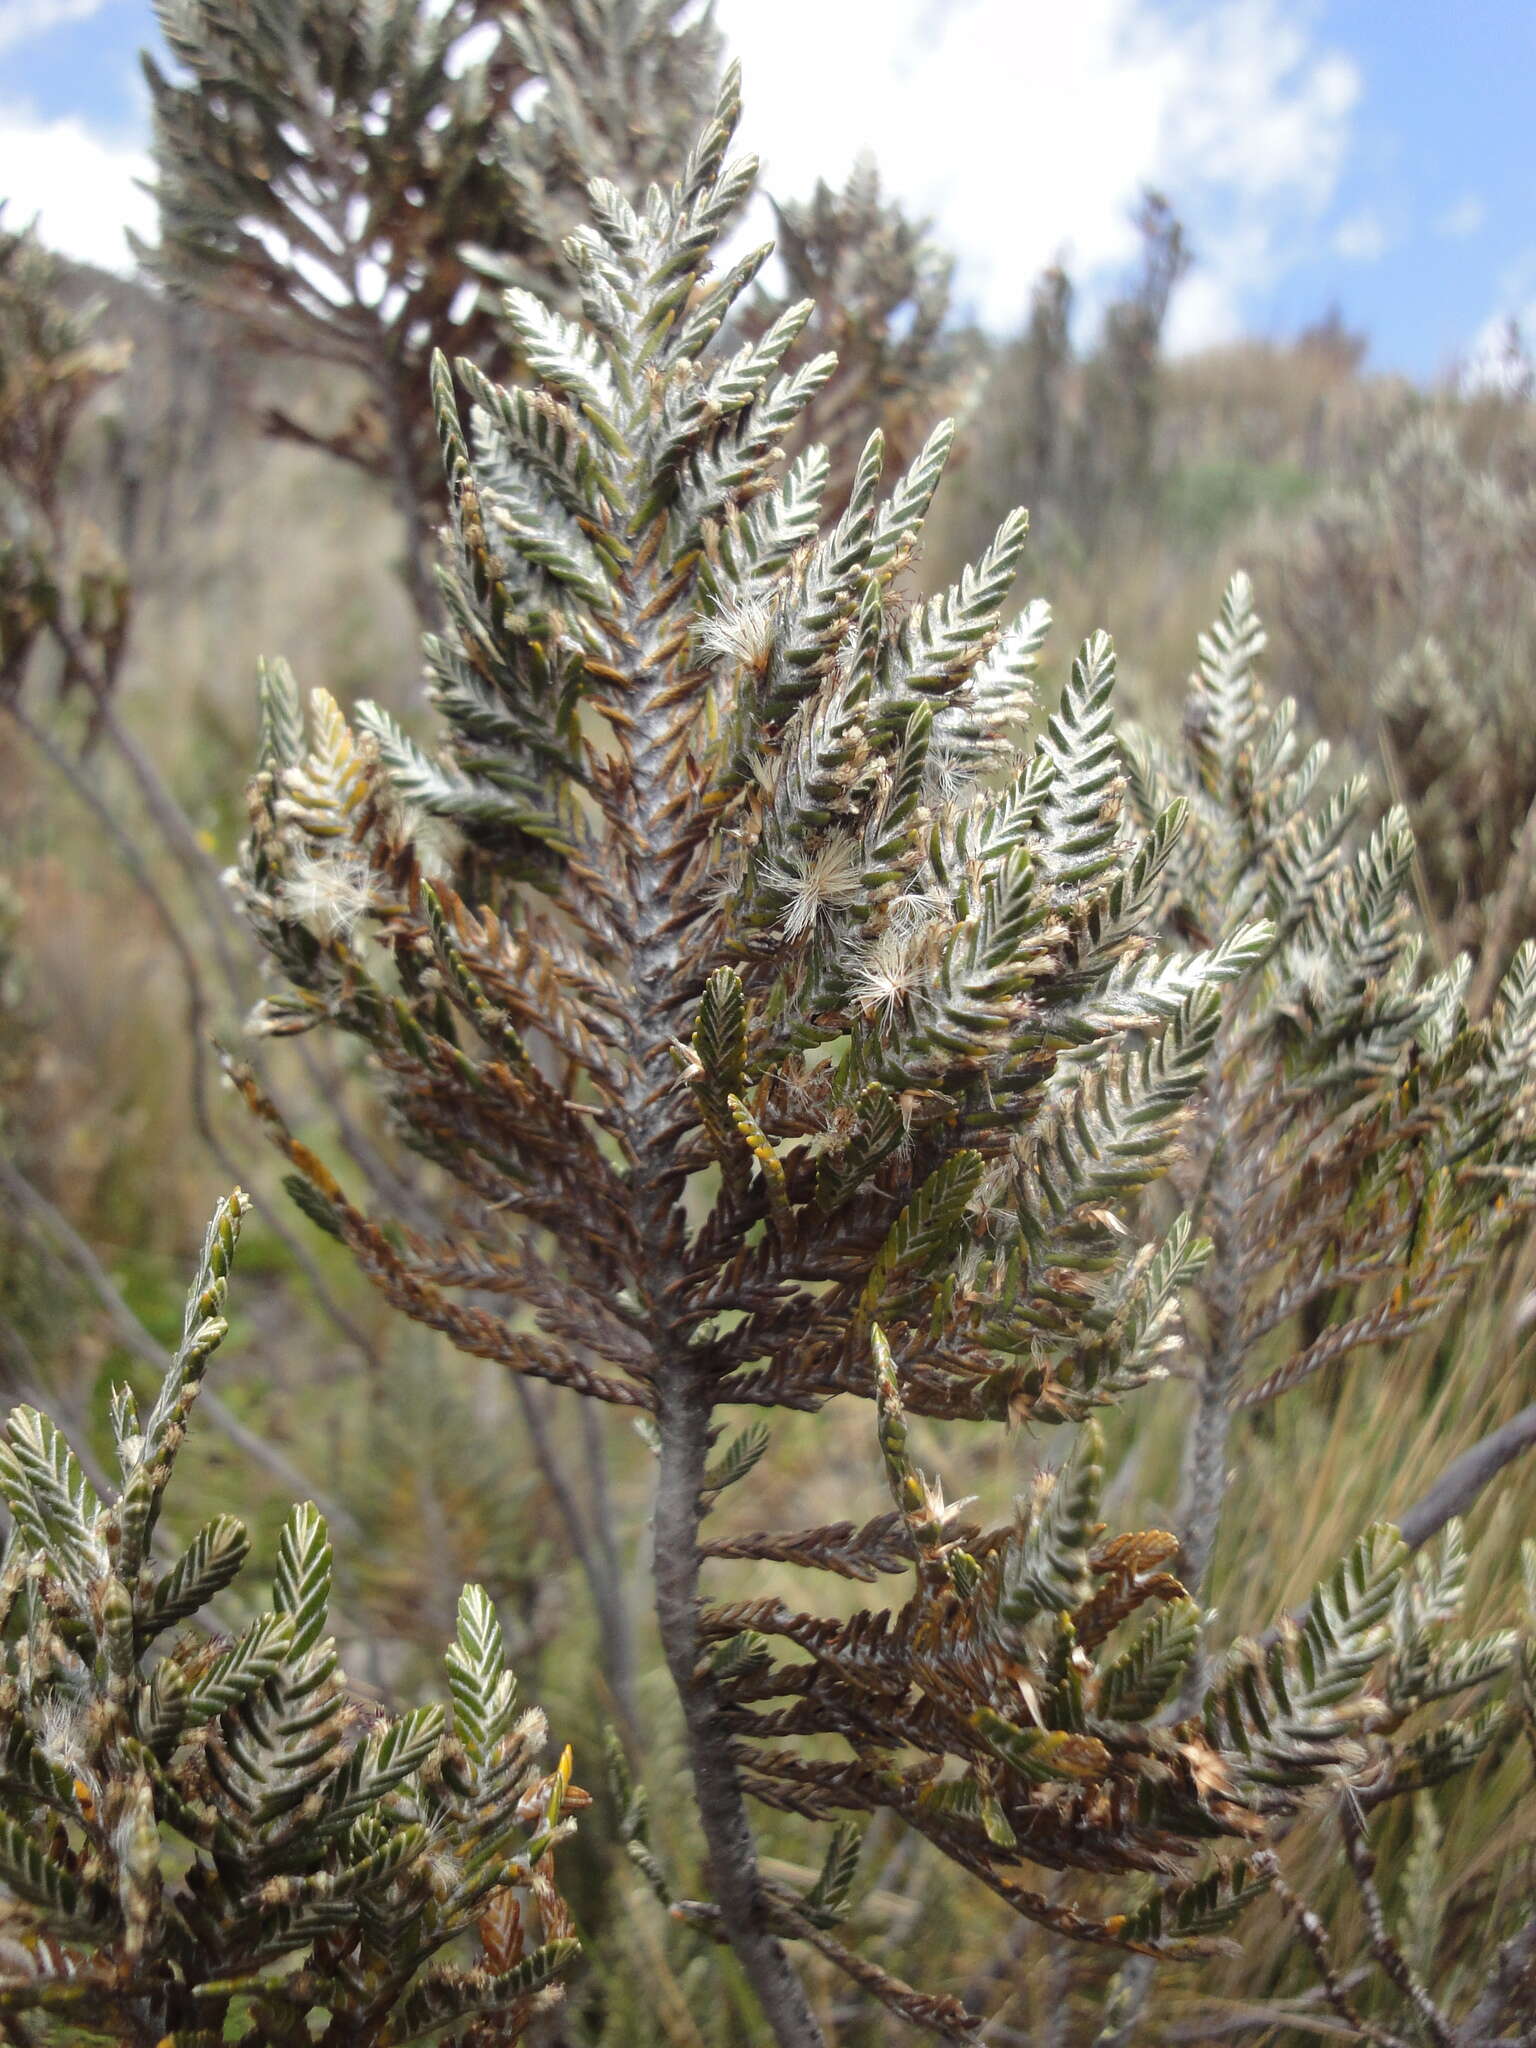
<point>740,632</point>
<point>828,877</point>
<point>328,892</point>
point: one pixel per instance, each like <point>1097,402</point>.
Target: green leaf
<point>250,1661</point>
<point>738,1458</point>
<point>54,1504</point>
<point>944,639</point>
<point>1045,1565</point>
<point>1107,1133</point>
<point>1285,1712</point>
<point>444,1997</point>
<point>301,1589</point>
<point>827,1900</point>
<point>1225,697</point>
<point>307,1198</point>
<point>901,516</point>
<point>1041,1756</point>
<point>24,1769</point>
<point>380,1763</point>
<point>1148,1669</point>
<point>1080,818</point>
<point>484,1691</point>
<point>280,741</point>
<point>720,1050</point>
<point>967,1798</point>
<point>925,1233</point>
<point>771,1167</point>
<point>1181,1913</point>
<point>210,1562</point>
<point>33,1875</point>
<point>878,1130</point>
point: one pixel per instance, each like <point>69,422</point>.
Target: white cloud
<point>80,186</point>
<point>1487,361</point>
<point>1361,238</point>
<point>1462,219</point>
<point>21,20</point>
<point>1026,130</point>
<point>1498,356</point>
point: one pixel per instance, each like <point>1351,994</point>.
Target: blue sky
<point>1440,175</point>
<point>1375,154</point>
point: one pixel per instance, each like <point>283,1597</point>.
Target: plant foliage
<point>799,1010</point>
<point>204,1828</point>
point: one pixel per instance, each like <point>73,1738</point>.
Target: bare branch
<point>1463,1480</point>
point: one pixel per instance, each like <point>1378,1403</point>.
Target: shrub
<point>204,1829</point>
<point>791,1013</point>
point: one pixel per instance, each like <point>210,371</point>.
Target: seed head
<point>831,877</point>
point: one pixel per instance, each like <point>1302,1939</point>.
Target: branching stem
<point>656,967</point>
<point>1205,1452</point>
<point>685,1435</point>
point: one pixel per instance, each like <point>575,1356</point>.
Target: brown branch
<point>1376,1326</point>
<point>1315,1937</point>
<point>1394,1964</point>
<point>685,1442</point>
<point>881,1545</point>
<point>471,1330</point>
<point>933,2013</point>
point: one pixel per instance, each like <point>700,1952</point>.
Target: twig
<point>136,1338</point>
<point>596,1567</point>
<point>1464,1478</point>
<point>197,1021</point>
<point>1394,1964</point>
<point>943,2016</point>
<point>1513,1968</point>
<point>1315,1935</point>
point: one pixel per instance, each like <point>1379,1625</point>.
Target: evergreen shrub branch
<point>205,1829</point>
<point>799,1009</point>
